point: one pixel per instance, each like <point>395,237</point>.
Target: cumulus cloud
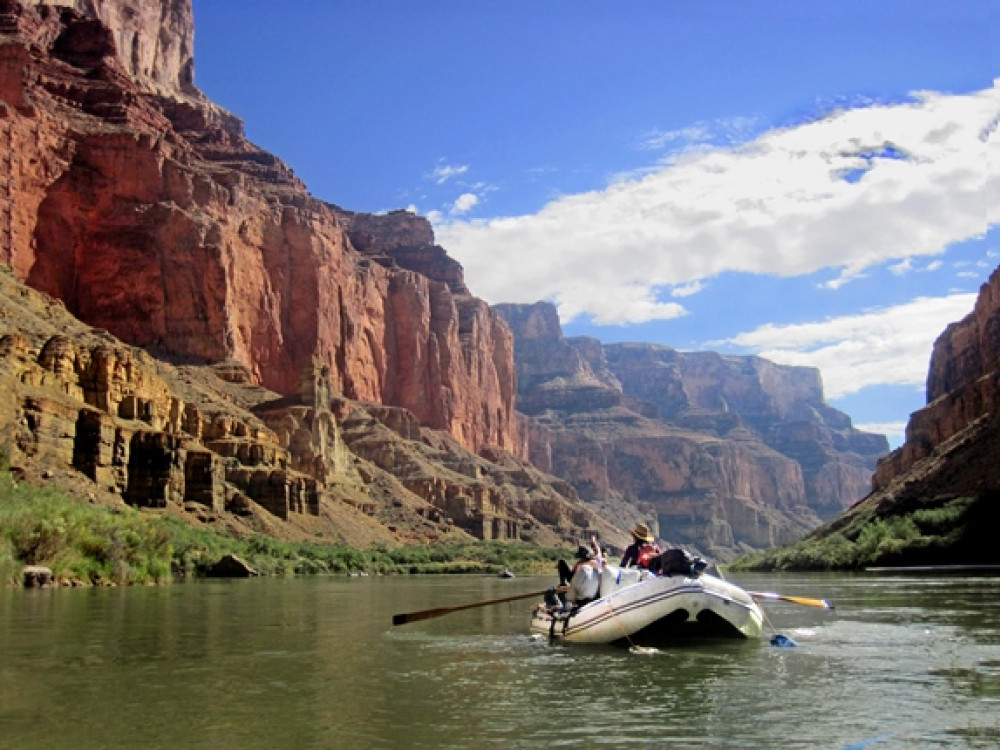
<point>857,189</point>
<point>464,203</point>
<point>891,346</point>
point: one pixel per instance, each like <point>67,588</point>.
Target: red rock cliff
<point>720,452</point>
<point>141,205</point>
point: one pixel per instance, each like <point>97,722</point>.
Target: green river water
<point>903,662</point>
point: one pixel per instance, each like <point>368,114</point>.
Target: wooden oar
<point>427,614</point>
<point>822,603</point>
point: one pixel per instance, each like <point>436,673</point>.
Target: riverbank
<point>923,532</point>
<point>86,544</point>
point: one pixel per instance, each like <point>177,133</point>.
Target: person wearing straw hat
<point>643,548</point>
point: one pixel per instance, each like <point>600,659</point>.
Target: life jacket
<point>646,553</point>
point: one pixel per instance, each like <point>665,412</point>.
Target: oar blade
<point>427,614</point>
<point>803,600</point>
<point>822,603</point>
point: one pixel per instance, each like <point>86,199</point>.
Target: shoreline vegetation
<point>87,544</point>
<point>93,545</point>
<point>940,531</point>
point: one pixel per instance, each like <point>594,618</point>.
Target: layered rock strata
<point>110,422</point>
<point>725,453</point>
<point>144,208</point>
<point>329,371</point>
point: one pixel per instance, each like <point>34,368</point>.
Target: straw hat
<point>641,532</point>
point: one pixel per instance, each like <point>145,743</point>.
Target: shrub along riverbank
<point>91,544</point>
<point>936,531</point>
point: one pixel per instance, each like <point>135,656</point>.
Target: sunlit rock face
<point>727,453</point>
<point>143,207</point>
<point>249,356</point>
<point>107,422</point>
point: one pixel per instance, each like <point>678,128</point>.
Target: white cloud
<point>778,205</point>
<point>444,172</point>
<point>906,266</point>
<point>901,268</point>
<point>464,203</point>
<point>882,347</point>
<point>689,289</point>
<point>698,133</point>
<point>729,131</point>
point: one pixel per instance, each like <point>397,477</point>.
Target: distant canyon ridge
<point>185,327</point>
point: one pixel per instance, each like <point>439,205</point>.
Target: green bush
<point>79,542</point>
<point>932,533</point>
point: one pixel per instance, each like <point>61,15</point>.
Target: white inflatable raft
<point>639,607</point>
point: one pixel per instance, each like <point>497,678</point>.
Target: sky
<point>817,183</point>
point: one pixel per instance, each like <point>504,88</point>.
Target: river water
<point>903,662</point>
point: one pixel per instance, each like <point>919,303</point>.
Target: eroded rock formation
<point>110,422</point>
<point>305,369</point>
<point>144,208</point>
<point>725,453</point>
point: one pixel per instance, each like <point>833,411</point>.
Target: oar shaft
<point>427,614</point>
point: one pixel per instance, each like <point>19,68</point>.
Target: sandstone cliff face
<point>110,422</point>
<point>143,207</point>
<point>725,453</point>
<point>304,370</point>
<point>310,370</point>
<point>963,389</point>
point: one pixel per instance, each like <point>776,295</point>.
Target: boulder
<point>36,576</point>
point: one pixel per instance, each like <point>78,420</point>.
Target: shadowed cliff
<point>936,499</point>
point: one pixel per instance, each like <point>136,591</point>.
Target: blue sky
<point>816,182</point>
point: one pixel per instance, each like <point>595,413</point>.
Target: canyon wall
<point>200,336</point>
<point>111,424</point>
<point>218,342</point>
<point>143,207</point>
<point>723,453</point>
<point>963,390</point>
